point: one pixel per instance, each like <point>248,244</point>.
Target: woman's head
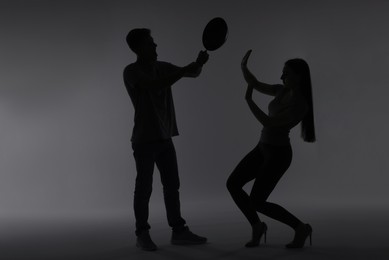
<point>296,74</point>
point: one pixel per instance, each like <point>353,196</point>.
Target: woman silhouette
<point>269,160</point>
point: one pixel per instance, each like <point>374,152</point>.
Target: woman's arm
<point>258,113</point>
<point>288,117</point>
<point>264,88</point>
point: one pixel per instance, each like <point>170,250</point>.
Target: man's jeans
<point>163,154</point>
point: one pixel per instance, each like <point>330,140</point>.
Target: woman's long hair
<point>301,67</point>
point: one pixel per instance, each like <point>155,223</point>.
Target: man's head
<point>142,44</point>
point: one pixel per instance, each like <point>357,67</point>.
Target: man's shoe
<point>144,242</point>
<point>186,237</point>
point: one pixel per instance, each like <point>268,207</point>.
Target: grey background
<point>66,167</point>
<point>66,118</point>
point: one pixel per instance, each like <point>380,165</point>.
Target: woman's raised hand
<point>248,76</point>
<point>246,58</point>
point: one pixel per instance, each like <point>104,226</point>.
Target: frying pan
<point>215,34</point>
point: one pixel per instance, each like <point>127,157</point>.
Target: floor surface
<point>337,234</point>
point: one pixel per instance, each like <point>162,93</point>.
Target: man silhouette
<point>148,82</point>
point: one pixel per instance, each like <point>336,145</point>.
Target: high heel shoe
<point>302,233</point>
<point>259,229</point>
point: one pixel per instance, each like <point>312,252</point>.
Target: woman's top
<point>283,105</point>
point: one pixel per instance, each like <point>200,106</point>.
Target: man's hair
<point>136,36</point>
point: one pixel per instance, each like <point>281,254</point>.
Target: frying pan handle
<point>202,62</point>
